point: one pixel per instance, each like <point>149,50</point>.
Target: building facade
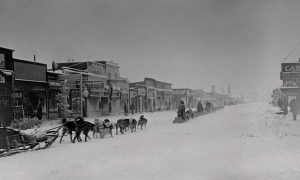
<point>185,95</point>
<point>119,87</point>
<point>31,87</point>
<point>6,86</point>
<point>96,87</point>
<point>154,95</point>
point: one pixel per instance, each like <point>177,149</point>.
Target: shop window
<point>52,101</point>
<point>74,100</point>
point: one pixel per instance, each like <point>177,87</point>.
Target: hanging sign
<point>290,67</point>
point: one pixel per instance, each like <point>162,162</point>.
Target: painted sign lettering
<point>290,67</point>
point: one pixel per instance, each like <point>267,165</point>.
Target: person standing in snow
<point>294,108</point>
<point>199,108</point>
<point>181,110</point>
<point>40,111</point>
<point>125,109</point>
<point>132,107</point>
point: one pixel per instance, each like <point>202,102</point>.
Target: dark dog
<point>132,124</point>
<point>68,127</point>
<point>142,122</point>
<point>83,126</point>
<point>122,124</point>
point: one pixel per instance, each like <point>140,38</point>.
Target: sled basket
<point>13,141</point>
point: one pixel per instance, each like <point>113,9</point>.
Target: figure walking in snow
<point>294,108</point>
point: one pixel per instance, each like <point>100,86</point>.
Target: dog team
<point>101,128</point>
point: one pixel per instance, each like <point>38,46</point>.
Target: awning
<point>95,93</point>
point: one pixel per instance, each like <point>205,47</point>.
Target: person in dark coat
<point>181,110</point>
<point>100,106</point>
<point>200,107</point>
<point>40,111</point>
<point>294,108</point>
<point>125,109</point>
<point>132,107</point>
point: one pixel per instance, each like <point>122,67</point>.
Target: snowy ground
<point>247,141</point>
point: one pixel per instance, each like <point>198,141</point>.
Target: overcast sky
<point>190,43</point>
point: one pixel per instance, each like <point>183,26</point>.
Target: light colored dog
<point>102,127</point>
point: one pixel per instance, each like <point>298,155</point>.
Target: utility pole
<point>81,103</point>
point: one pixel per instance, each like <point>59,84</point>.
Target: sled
<point>14,141</point>
<point>181,119</point>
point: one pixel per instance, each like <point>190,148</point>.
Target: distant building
<point>158,94</point>
<point>185,95</point>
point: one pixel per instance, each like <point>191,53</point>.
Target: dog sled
<point>14,141</point>
<point>182,119</point>
<point>190,114</point>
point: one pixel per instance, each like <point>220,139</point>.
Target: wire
<point>291,52</point>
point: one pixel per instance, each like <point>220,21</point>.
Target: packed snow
<point>247,141</point>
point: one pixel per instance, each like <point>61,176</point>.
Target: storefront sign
<point>30,71</point>
<point>180,91</point>
<point>141,91</point>
<point>290,67</point>
<point>287,76</point>
<point>91,84</point>
<point>291,83</point>
<point>2,79</point>
<point>96,68</point>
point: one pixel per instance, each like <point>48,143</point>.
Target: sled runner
<point>13,141</point>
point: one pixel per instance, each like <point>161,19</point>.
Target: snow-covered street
<point>246,141</point>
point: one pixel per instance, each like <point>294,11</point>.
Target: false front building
<point>96,87</point>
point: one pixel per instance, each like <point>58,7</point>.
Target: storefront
<point>167,99</point>
<point>150,99</point>
<point>89,93</point>
<point>30,87</point>
<point>6,101</point>
<point>133,98</point>
<point>290,75</point>
<point>74,100</point>
<point>54,86</point>
<point>142,98</point>
<point>119,97</point>
<point>184,95</point>
<point>97,100</point>
<point>159,99</point>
